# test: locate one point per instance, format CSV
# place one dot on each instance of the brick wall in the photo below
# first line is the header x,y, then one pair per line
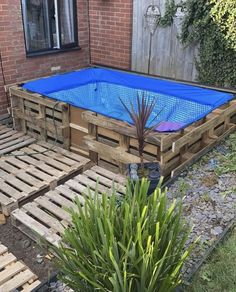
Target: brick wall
x,y
110,41
110,32
16,66
3,99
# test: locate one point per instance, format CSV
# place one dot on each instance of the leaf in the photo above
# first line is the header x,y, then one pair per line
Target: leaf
x,y
138,245
206,276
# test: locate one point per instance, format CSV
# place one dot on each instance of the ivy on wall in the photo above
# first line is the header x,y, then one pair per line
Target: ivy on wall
x,y
224,14
170,10
211,25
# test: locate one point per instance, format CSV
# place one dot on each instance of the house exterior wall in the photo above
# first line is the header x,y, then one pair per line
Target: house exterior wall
x,y
17,67
109,43
111,32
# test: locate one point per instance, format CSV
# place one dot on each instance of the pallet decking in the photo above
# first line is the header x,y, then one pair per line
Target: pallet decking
x,y
11,140
15,275
114,142
38,167
46,215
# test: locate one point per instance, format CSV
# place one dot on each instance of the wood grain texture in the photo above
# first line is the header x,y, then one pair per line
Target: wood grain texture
x,y
30,170
168,56
47,217
14,274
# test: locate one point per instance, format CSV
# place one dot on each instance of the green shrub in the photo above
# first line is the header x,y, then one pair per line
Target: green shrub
x,y
210,24
132,244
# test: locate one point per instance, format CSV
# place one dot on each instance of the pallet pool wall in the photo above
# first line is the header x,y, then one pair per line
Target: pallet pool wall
x,y
38,116
78,130
114,142
33,114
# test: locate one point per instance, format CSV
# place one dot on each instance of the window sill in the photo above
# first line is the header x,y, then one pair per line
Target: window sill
x,y
43,53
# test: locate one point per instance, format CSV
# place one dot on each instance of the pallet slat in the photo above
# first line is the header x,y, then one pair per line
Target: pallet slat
x,y
46,215
15,274
11,140
33,169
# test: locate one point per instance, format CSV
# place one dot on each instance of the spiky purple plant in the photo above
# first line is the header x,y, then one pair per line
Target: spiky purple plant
x,y
140,119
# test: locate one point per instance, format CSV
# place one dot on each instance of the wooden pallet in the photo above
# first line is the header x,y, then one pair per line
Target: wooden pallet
x,y
15,274
46,215
33,114
114,142
35,169
11,140
36,115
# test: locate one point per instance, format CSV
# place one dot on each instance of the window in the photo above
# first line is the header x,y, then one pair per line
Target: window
x,y
49,25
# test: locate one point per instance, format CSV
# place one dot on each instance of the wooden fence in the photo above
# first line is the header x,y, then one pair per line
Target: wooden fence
x,y
167,55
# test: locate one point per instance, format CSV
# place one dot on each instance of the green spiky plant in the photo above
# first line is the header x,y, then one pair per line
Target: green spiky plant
x,y
140,118
135,243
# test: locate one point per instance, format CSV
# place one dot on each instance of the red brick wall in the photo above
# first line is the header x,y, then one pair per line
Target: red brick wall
x,y
110,32
110,36
3,99
16,66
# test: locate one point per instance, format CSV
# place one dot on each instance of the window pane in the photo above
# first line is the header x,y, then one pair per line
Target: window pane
x,y
53,23
67,21
36,24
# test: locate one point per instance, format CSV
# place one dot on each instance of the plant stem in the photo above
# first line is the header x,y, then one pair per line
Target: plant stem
x,y
142,162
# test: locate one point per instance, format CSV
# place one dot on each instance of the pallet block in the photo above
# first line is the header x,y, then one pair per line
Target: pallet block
x,y
15,275
46,215
34,169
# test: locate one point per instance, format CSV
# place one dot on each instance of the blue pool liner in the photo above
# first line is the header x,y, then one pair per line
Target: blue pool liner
x,y
177,105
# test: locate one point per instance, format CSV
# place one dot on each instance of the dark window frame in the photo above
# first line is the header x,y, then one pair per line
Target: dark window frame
x,y
63,48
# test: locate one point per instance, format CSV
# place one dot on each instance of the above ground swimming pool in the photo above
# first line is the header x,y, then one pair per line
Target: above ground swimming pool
x,y
100,90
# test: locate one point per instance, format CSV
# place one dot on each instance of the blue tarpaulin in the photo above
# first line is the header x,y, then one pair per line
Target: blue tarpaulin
x,y
99,90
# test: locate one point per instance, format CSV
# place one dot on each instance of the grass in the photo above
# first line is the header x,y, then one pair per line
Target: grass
x,y
219,273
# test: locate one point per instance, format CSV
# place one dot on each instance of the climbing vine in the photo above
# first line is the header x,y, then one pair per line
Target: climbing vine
x,y
170,10
211,25
224,14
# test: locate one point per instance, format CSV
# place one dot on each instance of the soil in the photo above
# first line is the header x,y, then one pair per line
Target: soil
x,y
26,250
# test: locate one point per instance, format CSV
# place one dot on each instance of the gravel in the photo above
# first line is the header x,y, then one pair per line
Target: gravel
x,y
209,202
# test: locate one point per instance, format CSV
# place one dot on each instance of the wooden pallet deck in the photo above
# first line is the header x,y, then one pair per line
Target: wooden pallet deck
x,y
46,215
11,140
35,168
15,275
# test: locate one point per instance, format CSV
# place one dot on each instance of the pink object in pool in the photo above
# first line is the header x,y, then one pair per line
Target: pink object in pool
x,y
168,126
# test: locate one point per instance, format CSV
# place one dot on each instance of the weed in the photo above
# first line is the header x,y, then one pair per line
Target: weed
x,y
206,197
183,186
